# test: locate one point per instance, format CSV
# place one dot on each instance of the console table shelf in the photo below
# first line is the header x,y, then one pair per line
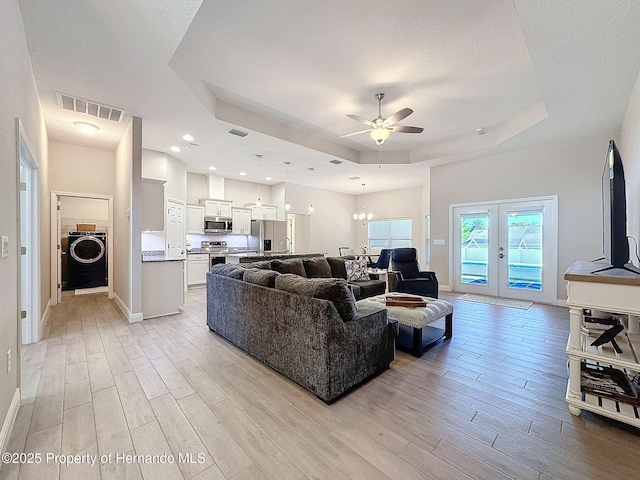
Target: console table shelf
x,y
613,291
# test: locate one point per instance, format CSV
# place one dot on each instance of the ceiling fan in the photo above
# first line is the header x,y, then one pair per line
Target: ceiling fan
x,y
381,127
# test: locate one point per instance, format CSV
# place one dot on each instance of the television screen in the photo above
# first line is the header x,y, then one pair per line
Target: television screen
x,y
614,211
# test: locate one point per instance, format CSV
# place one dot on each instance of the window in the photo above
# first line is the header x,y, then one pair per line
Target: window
x,y
390,233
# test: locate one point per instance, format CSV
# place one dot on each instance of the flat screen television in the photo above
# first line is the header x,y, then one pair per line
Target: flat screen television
x,y
614,213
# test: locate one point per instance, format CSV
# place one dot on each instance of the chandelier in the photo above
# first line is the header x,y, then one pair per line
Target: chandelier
x,y
363,217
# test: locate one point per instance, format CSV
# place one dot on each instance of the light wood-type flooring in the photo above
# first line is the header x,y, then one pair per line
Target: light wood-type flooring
x,y
488,404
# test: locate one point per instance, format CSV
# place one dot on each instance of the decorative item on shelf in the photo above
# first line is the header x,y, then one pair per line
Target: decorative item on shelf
x,y
363,217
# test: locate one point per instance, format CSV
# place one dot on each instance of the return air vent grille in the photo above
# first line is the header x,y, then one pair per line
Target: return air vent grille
x,y
335,161
191,146
354,178
237,133
87,107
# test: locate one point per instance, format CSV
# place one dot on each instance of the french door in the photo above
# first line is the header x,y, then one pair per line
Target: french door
x,y
506,249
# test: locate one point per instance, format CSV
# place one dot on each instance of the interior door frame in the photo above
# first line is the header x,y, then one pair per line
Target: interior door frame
x,y
30,274
55,241
551,284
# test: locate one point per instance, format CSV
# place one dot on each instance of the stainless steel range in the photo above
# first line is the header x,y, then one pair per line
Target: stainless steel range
x,y
216,250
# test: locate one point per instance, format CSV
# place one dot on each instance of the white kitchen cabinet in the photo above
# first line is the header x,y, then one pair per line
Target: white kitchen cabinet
x,y
197,268
216,208
195,219
152,205
241,221
263,212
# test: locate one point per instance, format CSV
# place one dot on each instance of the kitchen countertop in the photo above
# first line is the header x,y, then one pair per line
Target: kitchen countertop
x,y
246,257
158,256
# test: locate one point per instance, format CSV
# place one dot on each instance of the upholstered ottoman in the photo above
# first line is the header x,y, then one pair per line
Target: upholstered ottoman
x,y
415,320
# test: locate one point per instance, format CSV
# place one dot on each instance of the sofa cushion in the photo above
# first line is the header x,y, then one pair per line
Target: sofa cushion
x,y
260,276
262,264
316,267
337,266
290,265
332,289
228,270
369,288
356,270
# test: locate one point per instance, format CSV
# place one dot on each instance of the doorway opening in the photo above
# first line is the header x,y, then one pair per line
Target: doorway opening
x,y
81,228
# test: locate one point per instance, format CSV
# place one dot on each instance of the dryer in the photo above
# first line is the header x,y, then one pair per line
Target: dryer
x,y
87,260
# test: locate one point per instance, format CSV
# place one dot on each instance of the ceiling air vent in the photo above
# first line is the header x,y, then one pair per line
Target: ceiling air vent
x,y
354,178
191,146
87,107
335,161
237,133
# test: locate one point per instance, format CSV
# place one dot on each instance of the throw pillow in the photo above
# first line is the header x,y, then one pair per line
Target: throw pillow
x,y
317,267
228,270
291,265
261,276
356,270
333,289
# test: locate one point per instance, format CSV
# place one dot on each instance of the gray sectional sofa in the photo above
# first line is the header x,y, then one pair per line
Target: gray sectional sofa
x,y
308,329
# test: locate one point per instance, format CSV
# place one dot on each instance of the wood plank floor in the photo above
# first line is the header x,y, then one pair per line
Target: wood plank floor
x,y
488,404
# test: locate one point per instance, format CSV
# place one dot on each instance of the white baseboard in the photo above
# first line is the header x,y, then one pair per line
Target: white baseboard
x,y
44,320
132,317
9,420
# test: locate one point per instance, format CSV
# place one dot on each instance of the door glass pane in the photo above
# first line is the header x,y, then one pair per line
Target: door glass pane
x,y
525,250
473,248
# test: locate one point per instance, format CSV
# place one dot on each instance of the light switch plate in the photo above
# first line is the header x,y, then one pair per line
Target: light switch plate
x,y
5,247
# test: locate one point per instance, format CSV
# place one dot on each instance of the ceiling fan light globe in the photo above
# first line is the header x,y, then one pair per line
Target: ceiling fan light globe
x,y
369,216
379,135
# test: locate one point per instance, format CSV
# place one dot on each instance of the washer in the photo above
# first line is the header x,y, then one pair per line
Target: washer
x,y
87,260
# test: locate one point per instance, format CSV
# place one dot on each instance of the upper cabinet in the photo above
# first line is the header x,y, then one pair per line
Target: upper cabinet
x,y
152,205
195,219
241,221
216,208
263,212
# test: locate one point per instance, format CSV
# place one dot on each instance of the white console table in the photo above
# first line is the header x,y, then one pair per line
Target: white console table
x,y
612,291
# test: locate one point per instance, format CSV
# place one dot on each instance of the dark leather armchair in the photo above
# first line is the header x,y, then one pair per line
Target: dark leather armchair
x,y
383,260
406,276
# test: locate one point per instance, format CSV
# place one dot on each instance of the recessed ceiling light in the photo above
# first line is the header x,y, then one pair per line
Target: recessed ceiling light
x,y
267,178
242,174
480,131
212,168
187,137
86,128
175,149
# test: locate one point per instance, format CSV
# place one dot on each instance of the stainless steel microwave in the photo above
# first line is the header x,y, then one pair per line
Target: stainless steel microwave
x,y
217,225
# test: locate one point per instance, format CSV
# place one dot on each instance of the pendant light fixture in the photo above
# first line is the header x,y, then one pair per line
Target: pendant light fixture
x,y
363,217
311,209
287,205
259,202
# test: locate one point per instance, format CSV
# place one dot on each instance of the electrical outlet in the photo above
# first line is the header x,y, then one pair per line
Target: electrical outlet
x,y
9,361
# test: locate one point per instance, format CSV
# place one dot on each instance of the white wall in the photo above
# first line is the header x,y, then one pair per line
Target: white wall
x,y
571,169
197,187
79,169
127,222
395,204
160,166
241,193
19,99
630,152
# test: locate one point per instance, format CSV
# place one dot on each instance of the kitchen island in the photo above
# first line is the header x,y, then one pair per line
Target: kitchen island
x,y
162,284
256,257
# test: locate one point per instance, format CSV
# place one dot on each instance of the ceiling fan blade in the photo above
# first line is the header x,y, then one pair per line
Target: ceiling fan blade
x,y
403,129
362,120
354,133
396,117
